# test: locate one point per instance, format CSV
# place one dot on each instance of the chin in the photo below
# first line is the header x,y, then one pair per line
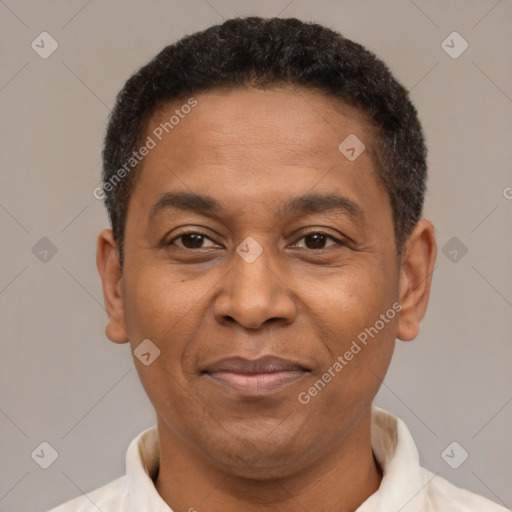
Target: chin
x,y
256,461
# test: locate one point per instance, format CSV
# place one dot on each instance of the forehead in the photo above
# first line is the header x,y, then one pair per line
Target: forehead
x,y
299,124
254,150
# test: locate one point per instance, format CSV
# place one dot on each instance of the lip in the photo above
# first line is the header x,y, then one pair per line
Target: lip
x,y
255,377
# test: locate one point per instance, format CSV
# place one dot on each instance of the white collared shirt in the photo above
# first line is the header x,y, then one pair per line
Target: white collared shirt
x,y
405,486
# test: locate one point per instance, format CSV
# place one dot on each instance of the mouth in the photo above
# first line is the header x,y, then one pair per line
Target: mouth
x,y
257,377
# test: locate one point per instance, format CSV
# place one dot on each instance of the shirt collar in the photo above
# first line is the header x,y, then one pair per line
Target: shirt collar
x,y
403,485
139,493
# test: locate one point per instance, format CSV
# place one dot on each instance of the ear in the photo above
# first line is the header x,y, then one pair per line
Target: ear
x,y
418,260
107,261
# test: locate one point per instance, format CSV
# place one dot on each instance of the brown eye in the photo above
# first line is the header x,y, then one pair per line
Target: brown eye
x,y
318,240
190,240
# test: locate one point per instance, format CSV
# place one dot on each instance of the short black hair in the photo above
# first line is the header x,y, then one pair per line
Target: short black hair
x,y
261,52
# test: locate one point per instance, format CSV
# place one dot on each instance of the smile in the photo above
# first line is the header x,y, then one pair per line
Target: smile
x,y
259,383
255,378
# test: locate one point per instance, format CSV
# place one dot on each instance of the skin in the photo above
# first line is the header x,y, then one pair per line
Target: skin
x,y
304,298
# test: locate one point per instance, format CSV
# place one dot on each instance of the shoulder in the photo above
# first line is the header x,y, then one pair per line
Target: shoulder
x,y
105,498
444,496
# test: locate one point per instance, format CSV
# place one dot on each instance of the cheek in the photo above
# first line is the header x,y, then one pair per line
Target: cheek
x,y
357,323
160,308
155,301
355,297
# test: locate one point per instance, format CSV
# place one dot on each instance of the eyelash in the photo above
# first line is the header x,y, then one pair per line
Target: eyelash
x,y
338,242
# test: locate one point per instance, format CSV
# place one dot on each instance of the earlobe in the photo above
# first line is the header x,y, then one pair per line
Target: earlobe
x,y
416,278
107,262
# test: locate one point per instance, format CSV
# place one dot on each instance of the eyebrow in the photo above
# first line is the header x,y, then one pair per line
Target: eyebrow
x,y
305,204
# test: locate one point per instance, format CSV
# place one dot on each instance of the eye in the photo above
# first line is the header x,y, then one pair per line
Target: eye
x,y
191,240
317,240
195,240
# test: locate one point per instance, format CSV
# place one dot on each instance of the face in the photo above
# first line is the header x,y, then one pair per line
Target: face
x,y
257,256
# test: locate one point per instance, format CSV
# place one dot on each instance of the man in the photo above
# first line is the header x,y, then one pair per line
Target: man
x,y
265,182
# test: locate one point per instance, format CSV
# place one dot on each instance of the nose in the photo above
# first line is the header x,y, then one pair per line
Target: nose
x,y
254,293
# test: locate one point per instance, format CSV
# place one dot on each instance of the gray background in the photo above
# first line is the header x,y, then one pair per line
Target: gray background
x,y
63,382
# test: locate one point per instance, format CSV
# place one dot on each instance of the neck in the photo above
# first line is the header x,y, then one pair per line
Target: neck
x,y
340,481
